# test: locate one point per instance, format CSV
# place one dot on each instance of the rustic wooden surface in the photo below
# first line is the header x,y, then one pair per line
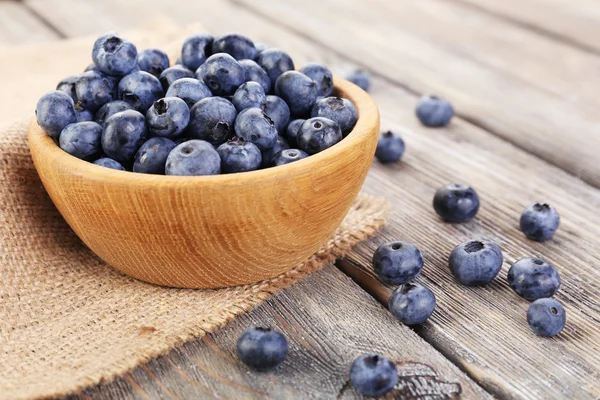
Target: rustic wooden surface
x,y
523,76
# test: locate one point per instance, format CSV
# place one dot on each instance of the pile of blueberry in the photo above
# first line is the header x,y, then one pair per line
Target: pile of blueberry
x,y
229,105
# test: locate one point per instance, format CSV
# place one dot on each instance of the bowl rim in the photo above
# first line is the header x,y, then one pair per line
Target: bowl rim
x,y
368,117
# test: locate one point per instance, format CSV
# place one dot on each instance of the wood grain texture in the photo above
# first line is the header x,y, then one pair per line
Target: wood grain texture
x,y
521,86
211,231
18,25
328,321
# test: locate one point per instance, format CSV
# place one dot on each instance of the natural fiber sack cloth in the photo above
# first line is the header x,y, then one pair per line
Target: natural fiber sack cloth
x,y
67,319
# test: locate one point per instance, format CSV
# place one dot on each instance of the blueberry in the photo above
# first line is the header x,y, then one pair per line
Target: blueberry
x,y
397,262
212,119
189,89
260,47
412,303
475,262
81,139
168,117
249,95
109,109
239,155
114,55
153,61
317,134
109,163
54,111
123,134
222,74
360,78
238,46
539,222
292,130
288,156
192,158
67,85
321,75
170,75
262,348
140,89
278,111
533,278
390,147
152,156
195,50
269,154
340,110
275,62
253,72
91,67
298,91
373,375
84,115
546,317
255,126
434,112
94,89
456,202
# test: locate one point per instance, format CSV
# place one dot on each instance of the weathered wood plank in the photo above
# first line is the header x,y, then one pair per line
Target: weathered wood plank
x,y
18,25
523,87
328,321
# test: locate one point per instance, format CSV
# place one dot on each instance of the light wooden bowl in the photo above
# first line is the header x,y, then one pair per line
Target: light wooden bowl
x,y
211,231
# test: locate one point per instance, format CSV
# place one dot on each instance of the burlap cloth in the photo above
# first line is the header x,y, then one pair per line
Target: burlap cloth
x,y
68,320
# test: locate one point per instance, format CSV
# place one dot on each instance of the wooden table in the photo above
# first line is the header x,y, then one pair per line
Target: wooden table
x,y
524,76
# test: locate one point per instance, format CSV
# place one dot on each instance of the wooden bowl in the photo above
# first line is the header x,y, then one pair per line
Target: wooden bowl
x,y
211,231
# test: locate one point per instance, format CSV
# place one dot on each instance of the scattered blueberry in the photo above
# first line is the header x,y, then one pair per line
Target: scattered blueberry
x,y
212,119
152,156
390,147
195,50
153,61
533,278
434,112
298,91
109,109
81,139
239,156
340,110
475,262
168,117
109,163
67,85
123,134
360,78
275,62
322,76
171,74
539,222
255,126
317,134
249,95
54,111
546,317
114,55
140,89
397,262
254,72
278,111
84,115
456,202
194,157
269,154
222,74
94,89
412,303
189,89
262,348
238,46
292,130
373,375
288,156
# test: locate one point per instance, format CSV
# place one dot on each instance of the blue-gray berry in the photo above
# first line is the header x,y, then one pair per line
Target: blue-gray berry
x,y
81,139
397,262
236,45
298,91
321,75
109,163
373,375
212,119
195,50
171,74
140,89
262,348
275,62
109,109
434,112
291,132
539,222
267,155
390,147
456,202
249,95
255,126
114,55
153,61
168,117
94,89
152,156
278,111
318,134
191,90
254,72
239,156
342,111
222,74
360,78
123,135
67,85
412,303
546,317
54,111
84,115
475,262
533,278
287,156
192,158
